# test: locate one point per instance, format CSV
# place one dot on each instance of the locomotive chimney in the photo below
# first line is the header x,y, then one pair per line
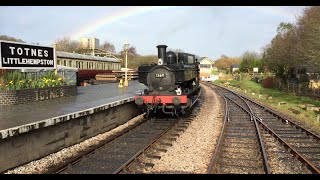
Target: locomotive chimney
x,y
162,54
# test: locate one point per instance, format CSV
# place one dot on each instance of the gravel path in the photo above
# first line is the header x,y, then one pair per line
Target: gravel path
x,y
192,151
41,165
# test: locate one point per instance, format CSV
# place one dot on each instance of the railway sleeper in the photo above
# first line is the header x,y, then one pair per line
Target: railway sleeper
x,y
165,143
240,145
160,149
171,138
175,134
311,155
299,136
242,162
237,169
151,156
289,132
250,153
147,164
244,141
240,128
306,147
237,136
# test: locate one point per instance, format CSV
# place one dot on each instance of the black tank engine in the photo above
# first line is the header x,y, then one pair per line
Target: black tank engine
x,y
173,83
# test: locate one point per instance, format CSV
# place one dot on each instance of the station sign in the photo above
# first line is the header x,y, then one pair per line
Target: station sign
x,y
26,56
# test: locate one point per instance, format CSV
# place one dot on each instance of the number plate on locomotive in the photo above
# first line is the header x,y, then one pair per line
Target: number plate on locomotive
x,y
160,75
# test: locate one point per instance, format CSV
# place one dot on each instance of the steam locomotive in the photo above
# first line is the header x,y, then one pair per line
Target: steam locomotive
x,y
173,83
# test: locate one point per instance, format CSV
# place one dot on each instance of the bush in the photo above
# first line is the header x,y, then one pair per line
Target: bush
x,y
16,80
267,82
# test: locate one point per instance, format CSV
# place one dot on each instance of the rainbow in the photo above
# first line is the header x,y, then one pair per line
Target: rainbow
x,y
139,10
272,10
111,18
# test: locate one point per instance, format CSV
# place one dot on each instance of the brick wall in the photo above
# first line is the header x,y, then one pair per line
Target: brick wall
x,y
13,97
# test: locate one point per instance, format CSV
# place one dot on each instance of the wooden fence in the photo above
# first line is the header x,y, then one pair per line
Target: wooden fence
x,y
300,89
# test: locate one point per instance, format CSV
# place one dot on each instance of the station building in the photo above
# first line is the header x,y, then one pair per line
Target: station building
x,y
206,67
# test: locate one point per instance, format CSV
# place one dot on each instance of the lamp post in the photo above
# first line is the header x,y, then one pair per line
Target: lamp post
x,y
126,45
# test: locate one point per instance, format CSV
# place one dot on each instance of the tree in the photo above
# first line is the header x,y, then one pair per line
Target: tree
x,y
139,60
176,50
281,54
8,38
108,47
295,45
250,59
132,52
224,62
308,32
283,28
68,45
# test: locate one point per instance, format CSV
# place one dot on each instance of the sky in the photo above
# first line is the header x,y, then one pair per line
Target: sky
x,y
209,31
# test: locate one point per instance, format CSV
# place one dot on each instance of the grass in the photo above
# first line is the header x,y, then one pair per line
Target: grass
x,y
292,101
215,72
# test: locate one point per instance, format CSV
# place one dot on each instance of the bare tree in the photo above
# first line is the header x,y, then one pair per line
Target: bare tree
x,y
8,38
176,50
132,53
68,45
108,47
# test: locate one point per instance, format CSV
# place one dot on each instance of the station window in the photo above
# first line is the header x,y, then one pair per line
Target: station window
x,y
190,60
205,66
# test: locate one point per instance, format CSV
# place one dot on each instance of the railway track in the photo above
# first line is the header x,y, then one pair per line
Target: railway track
x,y
239,149
131,151
301,144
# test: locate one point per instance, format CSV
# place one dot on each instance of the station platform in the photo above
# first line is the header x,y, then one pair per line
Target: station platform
x,y
25,116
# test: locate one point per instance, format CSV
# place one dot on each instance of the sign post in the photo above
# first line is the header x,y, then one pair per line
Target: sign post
x,y
55,58
255,70
15,55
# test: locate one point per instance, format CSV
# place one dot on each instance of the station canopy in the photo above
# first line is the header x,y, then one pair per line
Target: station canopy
x,y
60,68
62,54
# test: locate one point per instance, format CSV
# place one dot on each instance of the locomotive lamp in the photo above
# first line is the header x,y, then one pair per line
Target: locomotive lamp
x,y
126,45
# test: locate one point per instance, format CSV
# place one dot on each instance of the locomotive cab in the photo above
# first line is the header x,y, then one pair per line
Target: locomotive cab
x,y
172,58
